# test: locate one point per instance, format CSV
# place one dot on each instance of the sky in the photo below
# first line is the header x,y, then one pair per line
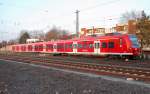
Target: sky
x,y
17,15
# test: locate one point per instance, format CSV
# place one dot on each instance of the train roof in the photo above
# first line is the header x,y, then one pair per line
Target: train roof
x,y
86,38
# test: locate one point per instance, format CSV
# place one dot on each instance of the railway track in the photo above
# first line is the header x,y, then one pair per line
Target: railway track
x,y
94,60
91,60
142,74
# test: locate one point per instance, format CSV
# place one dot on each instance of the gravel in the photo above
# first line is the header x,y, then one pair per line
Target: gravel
x,y
17,78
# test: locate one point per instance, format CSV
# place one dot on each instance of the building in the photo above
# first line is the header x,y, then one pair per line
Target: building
x,y
91,31
32,40
96,31
126,28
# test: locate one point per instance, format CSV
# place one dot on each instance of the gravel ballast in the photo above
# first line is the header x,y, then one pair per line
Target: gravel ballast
x,y
18,78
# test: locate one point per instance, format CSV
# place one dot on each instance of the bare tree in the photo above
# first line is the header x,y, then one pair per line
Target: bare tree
x,y
52,34
24,36
3,44
64,34
12,42
133,15
143,26
56,33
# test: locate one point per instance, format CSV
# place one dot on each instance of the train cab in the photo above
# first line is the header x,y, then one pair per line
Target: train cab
x,y
135,47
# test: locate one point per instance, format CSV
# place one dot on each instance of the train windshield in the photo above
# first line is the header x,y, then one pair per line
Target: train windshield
x,y
134,41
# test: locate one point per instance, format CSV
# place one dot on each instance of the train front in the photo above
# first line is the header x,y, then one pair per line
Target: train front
x,y
135,47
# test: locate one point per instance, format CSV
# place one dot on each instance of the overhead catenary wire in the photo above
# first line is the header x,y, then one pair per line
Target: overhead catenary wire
x,y
99,5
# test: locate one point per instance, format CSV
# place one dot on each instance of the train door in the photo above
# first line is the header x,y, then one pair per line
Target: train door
x,y
117,45
55,48
121,45
33,47
75,47
44,47
96,47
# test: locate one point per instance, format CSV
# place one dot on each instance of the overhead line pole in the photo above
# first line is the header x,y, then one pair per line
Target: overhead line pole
x,y
77,22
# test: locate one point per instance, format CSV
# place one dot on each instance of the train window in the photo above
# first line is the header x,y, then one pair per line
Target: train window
x,y
75,46
97,45
79,46
49,46
40,47
134,41
85,46
61,46
111,45
121,42
55,47
70,45
23,48
36,47
104,45
44,47
90,45
66,46
18,47
58,46
29,47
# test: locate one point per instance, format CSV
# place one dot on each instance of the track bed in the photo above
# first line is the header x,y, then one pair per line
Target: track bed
x,y
20,78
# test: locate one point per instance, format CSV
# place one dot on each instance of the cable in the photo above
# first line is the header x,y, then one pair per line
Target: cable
x,y
99,5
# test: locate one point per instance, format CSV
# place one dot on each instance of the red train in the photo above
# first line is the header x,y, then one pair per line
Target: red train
x,y
114,44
